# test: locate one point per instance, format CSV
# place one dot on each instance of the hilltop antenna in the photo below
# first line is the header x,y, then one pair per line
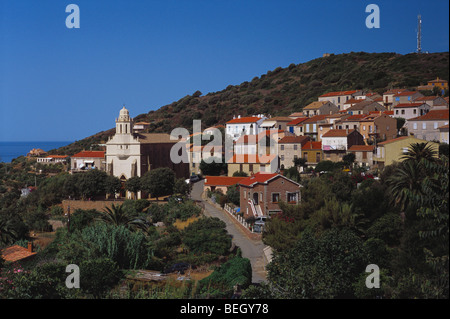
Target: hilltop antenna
x,y
419,34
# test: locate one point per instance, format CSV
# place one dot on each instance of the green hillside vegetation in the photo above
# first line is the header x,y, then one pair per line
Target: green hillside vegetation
x,y
283,91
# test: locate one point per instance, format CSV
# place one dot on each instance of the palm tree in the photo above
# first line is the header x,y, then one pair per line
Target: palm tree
x,y
405,184
117,216
7,233
421,151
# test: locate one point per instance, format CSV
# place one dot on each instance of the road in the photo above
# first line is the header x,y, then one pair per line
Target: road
x,y
251,249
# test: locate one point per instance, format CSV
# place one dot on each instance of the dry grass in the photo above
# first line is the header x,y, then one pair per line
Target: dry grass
x,y
179,224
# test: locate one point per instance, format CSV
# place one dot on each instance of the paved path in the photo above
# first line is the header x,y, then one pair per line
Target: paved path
x,y
251,248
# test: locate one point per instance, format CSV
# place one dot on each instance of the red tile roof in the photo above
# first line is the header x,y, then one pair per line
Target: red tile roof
x,y
258,178
427,98
311,145
339,93
222,180
316,118
15,253
405,105
393,140
394,91
90,154
355,117
433,115
247,119
406,93
337,133
297,121
294,140
361,148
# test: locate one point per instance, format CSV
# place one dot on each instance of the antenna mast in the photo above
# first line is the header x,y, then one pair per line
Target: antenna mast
x,y
419,34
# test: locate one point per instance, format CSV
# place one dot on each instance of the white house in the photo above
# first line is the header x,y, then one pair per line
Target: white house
x,y
249,125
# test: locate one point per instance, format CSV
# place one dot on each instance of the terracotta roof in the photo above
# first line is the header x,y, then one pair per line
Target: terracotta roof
x,y
360,105
353,101
438,81
246,119
142,123
355,117
297,121
427,98
315,105
90,154
295,114
251,159
316,118
15,253
394,91
432,116
155,138
339,93
294,140
280,119
337,133
222,180
312,145
406,105
443,127
361,148
258,178
393,140
406,93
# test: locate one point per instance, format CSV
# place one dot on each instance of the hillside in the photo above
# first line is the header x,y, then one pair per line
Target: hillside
x,y
286,90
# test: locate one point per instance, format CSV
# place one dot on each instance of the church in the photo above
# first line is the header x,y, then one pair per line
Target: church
x,y
130,154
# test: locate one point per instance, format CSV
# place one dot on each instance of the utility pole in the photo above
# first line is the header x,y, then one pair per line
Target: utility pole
x,y
419,34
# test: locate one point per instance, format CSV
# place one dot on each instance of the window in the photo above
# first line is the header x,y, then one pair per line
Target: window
x,y
282,157
292,197
318,157
435,125
295,147
397,99
245,194
364,128
282,147
424,126
262,168
403,111
250,167
305,155
415,126
396,112
415,111
275,197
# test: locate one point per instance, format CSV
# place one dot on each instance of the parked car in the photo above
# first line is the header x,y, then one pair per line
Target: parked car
x,y
194,178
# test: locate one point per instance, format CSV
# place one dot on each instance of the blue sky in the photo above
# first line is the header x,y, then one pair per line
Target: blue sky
x,y
60,84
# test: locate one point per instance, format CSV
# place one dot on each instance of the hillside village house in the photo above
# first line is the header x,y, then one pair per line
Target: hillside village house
x,y
290,148
410,110
319,108
376,126
220,183
253,163
435,102
312,153
261,193
406,97
388,97
86,160
276,123
250,125
427,126
364,154
295,126
131,154
350,103
140,127
442,85
443,134
205,152
335,143
352,122
391,151
52,159
296,115
365,107
263,144
339,98
324,128
311,126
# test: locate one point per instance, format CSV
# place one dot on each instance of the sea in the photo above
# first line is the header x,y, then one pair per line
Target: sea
x,y
12,150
